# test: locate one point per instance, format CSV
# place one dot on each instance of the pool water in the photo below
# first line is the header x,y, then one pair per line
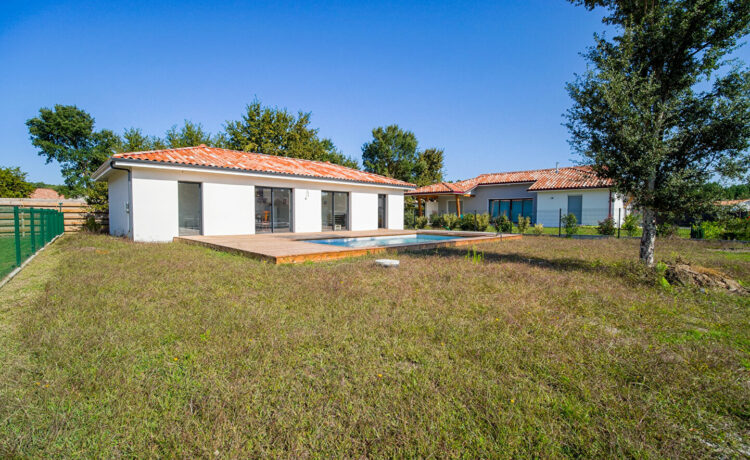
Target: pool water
x,y
377,241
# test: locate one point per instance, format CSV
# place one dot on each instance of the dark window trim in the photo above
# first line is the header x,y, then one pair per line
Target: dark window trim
x,y
291,208
333,213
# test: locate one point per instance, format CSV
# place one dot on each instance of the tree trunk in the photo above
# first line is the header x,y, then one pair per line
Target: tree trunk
x,y
648,239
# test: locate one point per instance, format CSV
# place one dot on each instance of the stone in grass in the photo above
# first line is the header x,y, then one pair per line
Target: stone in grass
x,y
387,262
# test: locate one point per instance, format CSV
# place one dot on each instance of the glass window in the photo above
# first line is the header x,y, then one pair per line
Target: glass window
x,y
512,208
381,211
189,208
505,208
335,210
273,210
528,208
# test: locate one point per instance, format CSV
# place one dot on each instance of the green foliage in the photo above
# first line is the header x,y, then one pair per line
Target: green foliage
x,y
474,256
630,224
451,221
523,223
66,135
660,111
606,227
570,223
467,222
538,229
504,224
421,222
133,140
666,230
13,183
409,218
727,229
483,222
393,152
91,225
437,221
190,135
712,230
275,131
727,192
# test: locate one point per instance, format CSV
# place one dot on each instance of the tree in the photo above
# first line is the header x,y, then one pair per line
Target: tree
x,y
66,134
133,140
277,132
660,111
392,152
13,183
430,166
190,135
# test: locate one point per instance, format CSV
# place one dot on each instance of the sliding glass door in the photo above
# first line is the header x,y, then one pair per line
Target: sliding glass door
x,y
189,218
512,208
273,210
335,210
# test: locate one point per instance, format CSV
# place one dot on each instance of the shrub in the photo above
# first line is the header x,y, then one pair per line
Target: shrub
x,y
712,230
409,218
483,222
504,224
606,227
666,230
437,221
420,222
466,222
450,221
737,229
630,224
571,224
538,229
523,223
91,225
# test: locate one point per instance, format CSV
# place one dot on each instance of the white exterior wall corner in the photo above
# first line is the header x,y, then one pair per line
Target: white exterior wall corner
x,y
394,209
154,206
594,202
119,201
307,210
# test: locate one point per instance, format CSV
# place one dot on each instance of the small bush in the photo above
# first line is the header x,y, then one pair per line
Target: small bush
x,y
450,221
523,223
420,222
504,224
538,229
712,230
737,229
409,218
630,224
483,222
467,222
91,225
666,230
437,221
606,227
571,224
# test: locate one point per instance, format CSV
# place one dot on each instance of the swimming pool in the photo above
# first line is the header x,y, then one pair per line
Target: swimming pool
x,y
378,241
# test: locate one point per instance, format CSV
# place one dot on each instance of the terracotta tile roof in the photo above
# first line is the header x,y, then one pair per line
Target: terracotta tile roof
x,y
258,162
45,194
732,202
573,177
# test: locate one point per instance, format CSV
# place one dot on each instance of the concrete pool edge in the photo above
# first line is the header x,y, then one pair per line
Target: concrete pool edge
x,y
293,248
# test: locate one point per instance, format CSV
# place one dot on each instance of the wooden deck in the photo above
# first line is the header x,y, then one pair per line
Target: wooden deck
x,y
284,248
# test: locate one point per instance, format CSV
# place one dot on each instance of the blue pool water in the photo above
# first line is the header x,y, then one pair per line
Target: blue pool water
x,y
376,241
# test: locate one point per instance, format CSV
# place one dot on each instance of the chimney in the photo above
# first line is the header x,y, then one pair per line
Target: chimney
x,y
557,167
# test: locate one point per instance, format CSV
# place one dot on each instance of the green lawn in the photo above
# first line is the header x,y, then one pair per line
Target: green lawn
x,y
548,347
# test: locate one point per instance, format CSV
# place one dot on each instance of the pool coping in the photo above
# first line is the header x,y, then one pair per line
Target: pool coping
x,y
295,247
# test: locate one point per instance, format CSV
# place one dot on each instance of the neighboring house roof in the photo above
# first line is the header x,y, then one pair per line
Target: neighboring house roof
x,y
46,194
257,162
574,177
735,203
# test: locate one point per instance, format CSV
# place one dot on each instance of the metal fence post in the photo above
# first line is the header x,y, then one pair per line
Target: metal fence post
x,y
559,223
17,231
619,221
31,230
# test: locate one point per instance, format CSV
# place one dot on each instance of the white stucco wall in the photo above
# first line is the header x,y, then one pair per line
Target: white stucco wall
x,y
307,212
364,210
228,202
394,211
119,199
154,206
595,206
228,208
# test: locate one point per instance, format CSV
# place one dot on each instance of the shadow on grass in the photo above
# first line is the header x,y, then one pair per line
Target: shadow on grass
x,y
627,270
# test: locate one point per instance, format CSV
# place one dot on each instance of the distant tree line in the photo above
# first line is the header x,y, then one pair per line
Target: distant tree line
x,y
67,135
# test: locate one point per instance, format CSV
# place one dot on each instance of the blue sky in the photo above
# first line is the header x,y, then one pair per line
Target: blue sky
x,y
483,80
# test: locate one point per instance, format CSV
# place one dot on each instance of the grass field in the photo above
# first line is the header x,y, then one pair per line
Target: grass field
x,y
546,347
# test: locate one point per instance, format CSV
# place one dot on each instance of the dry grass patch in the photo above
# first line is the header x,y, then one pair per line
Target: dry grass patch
x,y
548,347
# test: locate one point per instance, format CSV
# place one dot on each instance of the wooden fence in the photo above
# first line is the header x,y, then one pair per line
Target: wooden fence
x,y
75,211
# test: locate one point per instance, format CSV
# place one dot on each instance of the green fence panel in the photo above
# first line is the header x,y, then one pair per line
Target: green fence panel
x,y
24,231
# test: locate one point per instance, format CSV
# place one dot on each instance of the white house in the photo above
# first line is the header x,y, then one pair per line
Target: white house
x,y
161,194
541,194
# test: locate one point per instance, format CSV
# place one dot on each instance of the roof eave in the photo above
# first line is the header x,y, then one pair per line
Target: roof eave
x,y
131,161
